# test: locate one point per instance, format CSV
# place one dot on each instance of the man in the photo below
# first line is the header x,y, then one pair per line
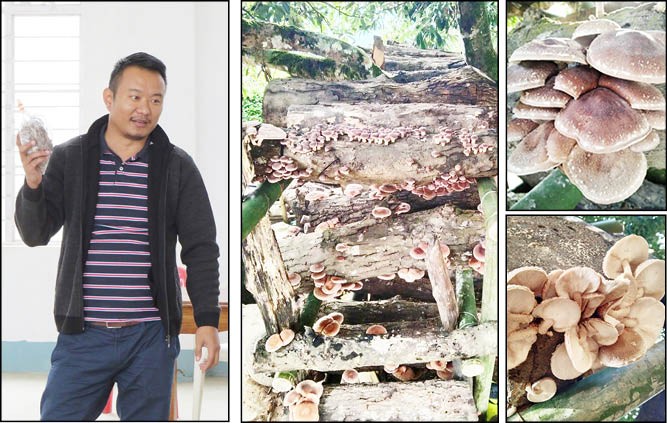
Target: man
x,y
122,194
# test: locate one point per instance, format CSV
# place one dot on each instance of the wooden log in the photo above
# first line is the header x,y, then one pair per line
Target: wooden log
x,y
606,395
351,62
429,115
267,280
260,403
406,342
441,287
349,210
432,400
457,86
377,247
414,157
393,310
554,242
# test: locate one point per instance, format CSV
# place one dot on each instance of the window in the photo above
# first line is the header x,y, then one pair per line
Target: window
x,y
40,73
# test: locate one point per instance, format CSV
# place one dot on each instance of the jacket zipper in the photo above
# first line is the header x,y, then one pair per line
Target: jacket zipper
x,y
163,230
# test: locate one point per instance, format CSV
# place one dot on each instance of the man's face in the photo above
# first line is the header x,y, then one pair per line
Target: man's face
x,y
136,107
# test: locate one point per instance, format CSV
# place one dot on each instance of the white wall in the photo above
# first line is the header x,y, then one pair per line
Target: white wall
x,y
192,40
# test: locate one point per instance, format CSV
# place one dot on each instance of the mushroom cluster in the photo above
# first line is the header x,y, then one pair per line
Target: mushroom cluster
x,y
588,105
328,287
279,340
303,401
329,325
607,320
476,262
282,167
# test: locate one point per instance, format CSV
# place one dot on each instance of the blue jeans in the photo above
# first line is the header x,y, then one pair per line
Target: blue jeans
x,y
85,366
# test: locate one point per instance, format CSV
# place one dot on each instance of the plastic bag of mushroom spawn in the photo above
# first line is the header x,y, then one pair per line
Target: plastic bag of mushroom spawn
x,y
33,129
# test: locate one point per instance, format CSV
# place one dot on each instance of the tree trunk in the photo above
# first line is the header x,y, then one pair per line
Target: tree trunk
x,y
378,247
393,310
479,50
406,343
279,45
432,400
456,86
350,210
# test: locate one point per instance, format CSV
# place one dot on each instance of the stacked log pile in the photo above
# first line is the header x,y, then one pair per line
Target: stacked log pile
x,y
384,208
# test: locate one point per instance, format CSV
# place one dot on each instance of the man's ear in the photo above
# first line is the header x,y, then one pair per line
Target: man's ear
x,y
107,96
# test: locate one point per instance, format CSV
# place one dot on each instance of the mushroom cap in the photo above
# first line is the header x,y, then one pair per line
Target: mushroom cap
x,y
576,345
387,276
404,373
380,212
629,54
305,411
559,147
478,252
655,118
524,111
601,122
520,299
577,80
576,281
316,268
562,313
541,390
545,96
530,155
585,33
650,276
350,376
606,178
527,75
327,326
286,336
628,348
310,389
632,248
640,95
531,277
549,288
519,344
602,332
376,330
646,317
273,343
550,49
417,253
519,128
561,364
648,143
291,398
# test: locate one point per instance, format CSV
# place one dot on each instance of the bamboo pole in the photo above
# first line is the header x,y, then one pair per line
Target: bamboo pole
x,y
488,195
465,293
555,192
606,395
256,206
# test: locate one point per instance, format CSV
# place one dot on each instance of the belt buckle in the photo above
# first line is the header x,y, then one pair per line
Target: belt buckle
x,y
113,327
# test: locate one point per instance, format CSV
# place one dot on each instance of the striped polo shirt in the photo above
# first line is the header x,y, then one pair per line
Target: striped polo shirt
x,y
115,278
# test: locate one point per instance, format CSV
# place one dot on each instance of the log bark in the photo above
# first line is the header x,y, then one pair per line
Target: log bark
x,y
257,38
406,343
393,310
457,86
433,400
441,287
380,247
350,210
428,115
267,280
616,391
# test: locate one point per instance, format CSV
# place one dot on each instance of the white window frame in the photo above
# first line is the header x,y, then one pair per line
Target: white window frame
x,y
11,10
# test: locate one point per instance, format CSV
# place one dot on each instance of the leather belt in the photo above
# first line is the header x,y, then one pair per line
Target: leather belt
x,y
114,325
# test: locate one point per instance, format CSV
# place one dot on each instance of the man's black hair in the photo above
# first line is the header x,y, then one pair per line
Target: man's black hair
x,y
142,60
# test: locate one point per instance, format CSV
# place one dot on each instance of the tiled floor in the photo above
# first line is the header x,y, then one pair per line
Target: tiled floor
x,y
21,393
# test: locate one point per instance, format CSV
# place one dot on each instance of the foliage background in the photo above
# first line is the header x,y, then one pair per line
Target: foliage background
x,y
652,228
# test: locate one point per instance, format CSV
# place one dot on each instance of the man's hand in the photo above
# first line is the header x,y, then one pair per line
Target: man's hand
x,y
31,162
207,336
